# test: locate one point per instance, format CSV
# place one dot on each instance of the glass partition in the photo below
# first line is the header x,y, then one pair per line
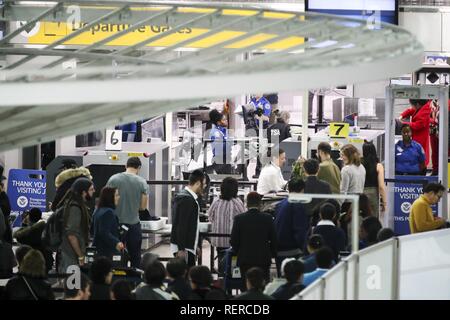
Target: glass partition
x,y
375,271
335,283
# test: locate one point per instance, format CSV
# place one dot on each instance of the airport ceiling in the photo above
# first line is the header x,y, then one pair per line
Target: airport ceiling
x,y
70,67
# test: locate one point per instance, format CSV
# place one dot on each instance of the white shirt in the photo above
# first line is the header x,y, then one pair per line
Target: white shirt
x,y
173,246
326,223
270,179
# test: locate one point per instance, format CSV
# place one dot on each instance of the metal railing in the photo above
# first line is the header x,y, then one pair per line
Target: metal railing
x,y
408,267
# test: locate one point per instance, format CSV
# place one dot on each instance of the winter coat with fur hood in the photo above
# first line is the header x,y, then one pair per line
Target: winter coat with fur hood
x,y
64,181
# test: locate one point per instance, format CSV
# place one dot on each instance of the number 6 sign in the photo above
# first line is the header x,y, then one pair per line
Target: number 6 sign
x,y
113,140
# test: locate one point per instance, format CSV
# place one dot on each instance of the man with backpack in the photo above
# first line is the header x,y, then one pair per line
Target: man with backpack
x,y
76,222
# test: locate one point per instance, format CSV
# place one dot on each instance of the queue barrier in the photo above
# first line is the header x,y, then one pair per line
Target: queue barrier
x,y
408,267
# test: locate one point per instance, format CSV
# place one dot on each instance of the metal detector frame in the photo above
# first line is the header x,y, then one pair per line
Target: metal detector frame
x,y
440,93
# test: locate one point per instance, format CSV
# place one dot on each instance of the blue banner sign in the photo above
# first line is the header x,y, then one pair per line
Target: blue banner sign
x,y
405,194
26,190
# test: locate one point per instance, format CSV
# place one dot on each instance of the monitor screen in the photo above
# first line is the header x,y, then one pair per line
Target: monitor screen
x,y
376,10
155,128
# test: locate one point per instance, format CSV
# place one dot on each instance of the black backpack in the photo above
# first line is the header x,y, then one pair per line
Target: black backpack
x,y
54,229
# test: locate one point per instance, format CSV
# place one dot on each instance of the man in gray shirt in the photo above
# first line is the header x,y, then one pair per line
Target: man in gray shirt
x,y
133,191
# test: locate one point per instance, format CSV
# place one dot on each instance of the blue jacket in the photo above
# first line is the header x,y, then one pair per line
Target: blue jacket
x,y
408,158
105,226
221,148
264,104
313,276
291,225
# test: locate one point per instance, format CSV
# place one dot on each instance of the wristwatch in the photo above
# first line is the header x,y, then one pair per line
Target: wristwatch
x,y
81,258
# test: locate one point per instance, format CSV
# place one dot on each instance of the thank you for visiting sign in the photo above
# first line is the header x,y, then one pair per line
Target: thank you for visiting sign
x,y
26,190
406,193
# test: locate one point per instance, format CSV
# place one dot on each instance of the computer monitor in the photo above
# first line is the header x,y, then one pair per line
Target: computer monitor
x,y
155,128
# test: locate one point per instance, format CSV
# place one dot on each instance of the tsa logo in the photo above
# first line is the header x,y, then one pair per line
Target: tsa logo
x,y
405,207
22,202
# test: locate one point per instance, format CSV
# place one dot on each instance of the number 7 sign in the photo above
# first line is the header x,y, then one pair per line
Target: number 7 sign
x,y
113,140
339,130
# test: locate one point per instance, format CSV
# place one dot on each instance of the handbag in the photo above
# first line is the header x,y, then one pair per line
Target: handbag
x,y
30,289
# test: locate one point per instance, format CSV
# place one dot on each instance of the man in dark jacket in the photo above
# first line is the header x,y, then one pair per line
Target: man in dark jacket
x,y
31,234
253,237
334,237
5,207
176,271
291,226
255,286
184,238
280,130
314,186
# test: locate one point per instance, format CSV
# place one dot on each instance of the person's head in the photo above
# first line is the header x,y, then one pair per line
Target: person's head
x,y
82,292
284,117
370,227
385,234
311,167
68,164
134,164
315,242
101,271
293,271
278,158
121,290
296,185
147,259
176,268
200,277
324,258
155,274
197,181
406,133
434,192
84,188
370,152
327,211
255,279
33,264
228,188
253,200
218,118
109,198
35,215
417,103
324,151
21,252
350,155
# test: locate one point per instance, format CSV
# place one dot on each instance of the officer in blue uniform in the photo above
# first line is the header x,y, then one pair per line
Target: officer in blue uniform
x,y
409,155
263,110
221,147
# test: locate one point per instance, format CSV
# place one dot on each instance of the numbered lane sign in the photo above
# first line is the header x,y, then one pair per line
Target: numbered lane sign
x,y
339,130
113,140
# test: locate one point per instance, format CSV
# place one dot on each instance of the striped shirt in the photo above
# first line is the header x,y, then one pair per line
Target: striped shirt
x,y
221,215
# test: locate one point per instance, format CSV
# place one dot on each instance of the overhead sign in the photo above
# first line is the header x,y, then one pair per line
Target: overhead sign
x,y
113,140
30,30
45,33
339,130
26,190
404,195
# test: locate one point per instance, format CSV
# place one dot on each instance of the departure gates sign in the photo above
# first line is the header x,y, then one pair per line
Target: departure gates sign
x,y
44,33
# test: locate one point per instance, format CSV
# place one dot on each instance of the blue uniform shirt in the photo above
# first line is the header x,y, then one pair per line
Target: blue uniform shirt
x,y
220,144
264,104
408,158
